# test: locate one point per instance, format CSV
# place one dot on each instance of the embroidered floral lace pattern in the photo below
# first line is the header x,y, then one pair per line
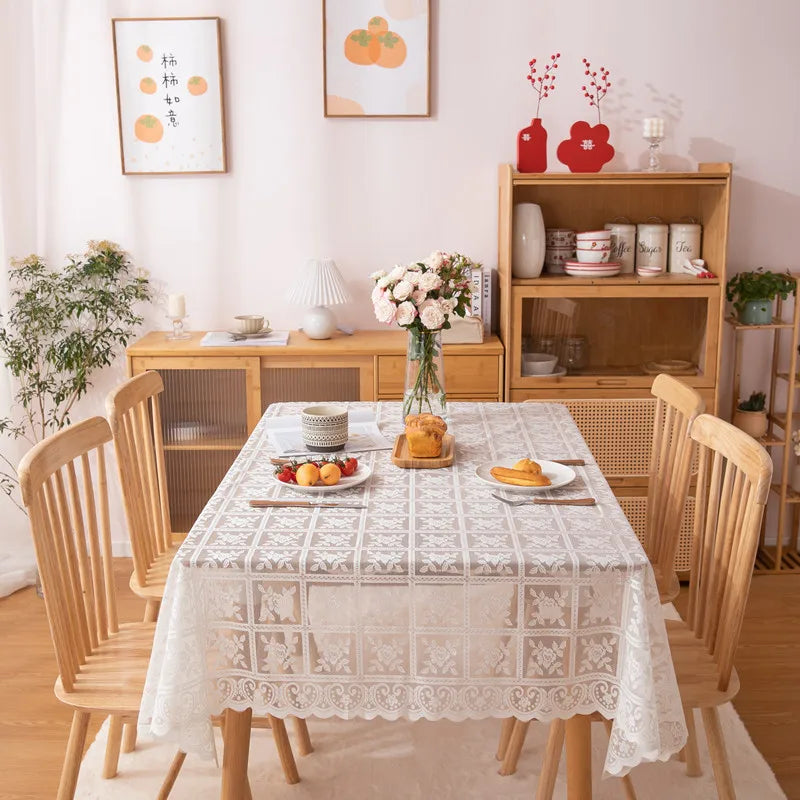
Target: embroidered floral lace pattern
x,y
433,602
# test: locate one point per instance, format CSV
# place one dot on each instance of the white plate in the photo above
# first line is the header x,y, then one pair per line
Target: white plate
x,y
559,474
362,474
556,373
595,273
257,334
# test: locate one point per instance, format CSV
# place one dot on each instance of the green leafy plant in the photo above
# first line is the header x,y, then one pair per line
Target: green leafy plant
x,y
61,328
760,284
756,402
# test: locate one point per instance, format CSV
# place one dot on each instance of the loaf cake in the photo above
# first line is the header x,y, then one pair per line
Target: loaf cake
x,y
424,434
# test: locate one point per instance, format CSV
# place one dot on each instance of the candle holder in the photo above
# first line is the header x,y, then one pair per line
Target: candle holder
x,y
177,332
654,163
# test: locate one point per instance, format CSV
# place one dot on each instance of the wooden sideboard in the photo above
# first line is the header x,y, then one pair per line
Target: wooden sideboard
x,y
214,396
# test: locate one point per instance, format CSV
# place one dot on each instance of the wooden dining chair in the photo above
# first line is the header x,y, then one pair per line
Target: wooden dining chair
x,y
733,482
134,414
101,663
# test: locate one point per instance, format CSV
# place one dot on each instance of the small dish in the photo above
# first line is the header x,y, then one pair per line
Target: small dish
x,y
670,366
559,474
361,475
238,334
556,373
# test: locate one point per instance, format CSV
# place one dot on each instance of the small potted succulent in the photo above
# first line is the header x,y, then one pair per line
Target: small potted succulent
x,y
751,415
752,294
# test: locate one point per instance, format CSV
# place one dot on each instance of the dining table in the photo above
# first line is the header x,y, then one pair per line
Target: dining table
x,y
430,600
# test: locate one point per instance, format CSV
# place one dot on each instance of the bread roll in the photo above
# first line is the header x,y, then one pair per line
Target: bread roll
x,y
424,434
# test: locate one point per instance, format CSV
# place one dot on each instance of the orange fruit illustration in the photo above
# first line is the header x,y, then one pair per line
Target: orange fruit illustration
x,y
148,85
376,45
148,129
144,52
378,25
197,85
393,50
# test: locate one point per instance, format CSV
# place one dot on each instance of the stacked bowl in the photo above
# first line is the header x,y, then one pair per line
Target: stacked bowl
x,y
559,248
593,250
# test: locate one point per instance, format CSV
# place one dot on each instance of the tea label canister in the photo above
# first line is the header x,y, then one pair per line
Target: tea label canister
x,y
623,244
651,245
684,243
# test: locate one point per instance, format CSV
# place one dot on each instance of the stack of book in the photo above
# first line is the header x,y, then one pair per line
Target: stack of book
x,y
482,315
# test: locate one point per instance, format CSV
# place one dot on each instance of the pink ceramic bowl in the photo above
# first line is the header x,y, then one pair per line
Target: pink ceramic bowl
x,y
596,256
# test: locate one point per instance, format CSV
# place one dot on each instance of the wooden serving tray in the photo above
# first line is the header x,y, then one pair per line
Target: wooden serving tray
x,y
401,457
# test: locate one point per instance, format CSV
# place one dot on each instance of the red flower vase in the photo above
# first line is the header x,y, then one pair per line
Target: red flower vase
x,y
587,148
532,148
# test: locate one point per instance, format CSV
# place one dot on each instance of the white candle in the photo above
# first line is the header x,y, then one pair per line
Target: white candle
x,y
653,126
176,305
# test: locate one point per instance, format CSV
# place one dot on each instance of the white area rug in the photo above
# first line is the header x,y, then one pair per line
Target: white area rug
x,y
362,759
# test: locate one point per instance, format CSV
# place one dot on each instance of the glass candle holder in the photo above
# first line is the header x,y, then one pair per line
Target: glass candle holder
x,y
177,331
654,158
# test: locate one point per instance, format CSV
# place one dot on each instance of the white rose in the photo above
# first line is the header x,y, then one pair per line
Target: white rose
x,y
377,294
383,282
419,297
385,311
397,273
406,312
381,273
402,290
435,260
448,304
432,316
412,276
429,281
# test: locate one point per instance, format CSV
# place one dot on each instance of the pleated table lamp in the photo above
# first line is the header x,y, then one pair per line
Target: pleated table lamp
x,y
320,285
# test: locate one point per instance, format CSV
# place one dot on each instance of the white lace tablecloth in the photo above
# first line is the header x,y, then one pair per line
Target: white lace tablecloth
x,y
435,601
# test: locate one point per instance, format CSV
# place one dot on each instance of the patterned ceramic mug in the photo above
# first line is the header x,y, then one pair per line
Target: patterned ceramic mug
x,y
324,428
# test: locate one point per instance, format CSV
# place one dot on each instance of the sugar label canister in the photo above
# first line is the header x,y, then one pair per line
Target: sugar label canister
x,y
684,244
651,245
623,244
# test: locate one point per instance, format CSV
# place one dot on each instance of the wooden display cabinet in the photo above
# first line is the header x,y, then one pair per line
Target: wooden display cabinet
x,y
214,396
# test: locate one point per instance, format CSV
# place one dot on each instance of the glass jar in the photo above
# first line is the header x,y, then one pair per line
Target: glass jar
x,y
576,353
546,344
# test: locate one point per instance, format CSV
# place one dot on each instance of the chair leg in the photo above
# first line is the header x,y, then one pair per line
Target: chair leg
x,y
129,737
172,775
151,610
505,736
579,757
627,782
236,753
552,756
112,746
719,758
509,765
284,748
304,745
73,756
693,767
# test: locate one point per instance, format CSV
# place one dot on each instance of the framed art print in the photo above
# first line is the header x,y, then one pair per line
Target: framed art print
x,y
169,95
376,56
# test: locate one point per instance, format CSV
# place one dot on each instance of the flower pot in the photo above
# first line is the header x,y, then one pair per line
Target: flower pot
x,y
424,388
756,312
753,423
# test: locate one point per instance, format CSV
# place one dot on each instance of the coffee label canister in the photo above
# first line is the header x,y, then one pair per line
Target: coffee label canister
x,y
623,244
651,245
684,244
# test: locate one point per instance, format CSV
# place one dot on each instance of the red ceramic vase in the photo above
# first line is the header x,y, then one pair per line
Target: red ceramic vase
x,y
587,148
532,148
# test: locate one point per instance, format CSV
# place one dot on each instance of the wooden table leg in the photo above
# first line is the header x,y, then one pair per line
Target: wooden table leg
x,y
236,753
579,758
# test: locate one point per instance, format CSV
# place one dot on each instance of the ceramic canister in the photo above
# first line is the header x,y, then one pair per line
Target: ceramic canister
x,y
623,244
324,428
651,245
684,243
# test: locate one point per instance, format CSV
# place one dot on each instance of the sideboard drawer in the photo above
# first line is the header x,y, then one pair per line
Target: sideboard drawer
x,y
464,375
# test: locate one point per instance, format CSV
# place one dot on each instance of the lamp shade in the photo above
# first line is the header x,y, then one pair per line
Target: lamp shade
x,y
320,284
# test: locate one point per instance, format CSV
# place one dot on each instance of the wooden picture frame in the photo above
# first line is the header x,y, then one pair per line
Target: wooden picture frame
x,y
376,58
170,99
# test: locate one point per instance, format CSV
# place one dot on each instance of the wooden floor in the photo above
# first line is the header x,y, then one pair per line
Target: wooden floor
x,y
34,726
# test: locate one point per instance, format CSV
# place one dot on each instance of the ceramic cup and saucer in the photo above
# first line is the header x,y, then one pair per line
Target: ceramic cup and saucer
x,y
250,326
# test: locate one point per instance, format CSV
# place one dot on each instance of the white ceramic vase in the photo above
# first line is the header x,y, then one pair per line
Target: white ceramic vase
x,y
528,245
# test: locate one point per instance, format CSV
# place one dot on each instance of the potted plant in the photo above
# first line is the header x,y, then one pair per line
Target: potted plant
x,y
62,327
752,294
751,415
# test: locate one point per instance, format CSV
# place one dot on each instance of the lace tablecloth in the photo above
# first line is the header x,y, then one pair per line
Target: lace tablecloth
x,y
435,601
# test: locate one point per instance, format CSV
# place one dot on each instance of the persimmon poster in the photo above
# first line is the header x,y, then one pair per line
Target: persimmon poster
x,y
377,58
169,95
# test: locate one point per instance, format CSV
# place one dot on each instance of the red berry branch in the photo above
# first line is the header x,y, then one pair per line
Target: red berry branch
x,y
543,84
598,86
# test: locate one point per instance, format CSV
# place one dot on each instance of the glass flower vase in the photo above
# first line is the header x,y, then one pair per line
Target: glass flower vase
x,y
424,388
